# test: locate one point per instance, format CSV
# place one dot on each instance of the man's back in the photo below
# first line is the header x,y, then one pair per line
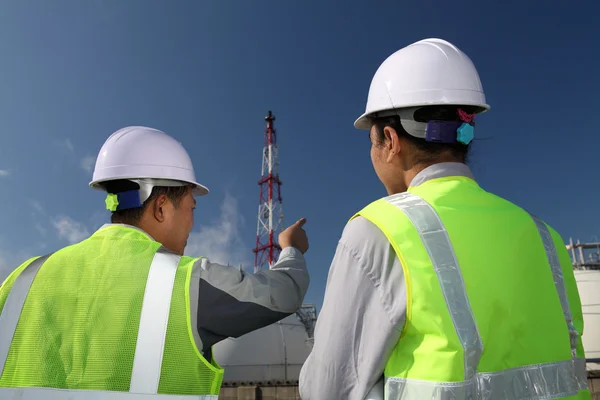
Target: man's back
x,y
483,278
81,321
422,315
509,262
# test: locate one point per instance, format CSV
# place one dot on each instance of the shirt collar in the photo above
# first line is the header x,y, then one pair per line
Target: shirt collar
x,y
129,227
442,170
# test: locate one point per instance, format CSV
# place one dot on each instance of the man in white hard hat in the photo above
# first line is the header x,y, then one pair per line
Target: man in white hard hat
x,y
442,290
123,314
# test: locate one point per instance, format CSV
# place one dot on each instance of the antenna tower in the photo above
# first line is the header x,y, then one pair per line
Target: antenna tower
x,y
270,210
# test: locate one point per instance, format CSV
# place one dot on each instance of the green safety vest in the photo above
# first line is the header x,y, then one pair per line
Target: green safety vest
x,y
107,319
493,311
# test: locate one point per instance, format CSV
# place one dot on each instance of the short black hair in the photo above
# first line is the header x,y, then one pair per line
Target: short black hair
x,y
132,216
428,152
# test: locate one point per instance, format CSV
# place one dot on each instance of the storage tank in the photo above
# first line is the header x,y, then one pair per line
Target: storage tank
x,y
588,282
586,265
270,355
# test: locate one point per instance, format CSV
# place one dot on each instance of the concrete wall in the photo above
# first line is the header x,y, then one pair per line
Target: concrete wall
x,y
291,392
594,385
260,393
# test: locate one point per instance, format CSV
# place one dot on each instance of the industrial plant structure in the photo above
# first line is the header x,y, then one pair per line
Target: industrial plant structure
x,y
270,208
586,263
265,364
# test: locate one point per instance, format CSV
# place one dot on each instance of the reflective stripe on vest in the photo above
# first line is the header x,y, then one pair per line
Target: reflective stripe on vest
x,y
14,305
152,332
151,337
547,381
578,363
35,393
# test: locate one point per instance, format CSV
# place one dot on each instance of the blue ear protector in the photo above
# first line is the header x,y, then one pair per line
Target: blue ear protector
x,y
449,132
461,131
123,200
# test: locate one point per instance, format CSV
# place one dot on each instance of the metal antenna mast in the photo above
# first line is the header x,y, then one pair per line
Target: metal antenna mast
x,y
270,210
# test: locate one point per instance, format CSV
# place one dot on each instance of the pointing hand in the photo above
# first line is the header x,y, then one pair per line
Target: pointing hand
x,y
295,236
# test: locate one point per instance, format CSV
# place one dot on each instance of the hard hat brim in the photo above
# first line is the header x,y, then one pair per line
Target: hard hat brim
x,y
197,189
363,122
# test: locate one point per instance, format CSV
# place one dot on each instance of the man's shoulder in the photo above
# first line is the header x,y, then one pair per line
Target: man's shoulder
x,y
193,262
185,259
363,238
359,227
203,264
7,283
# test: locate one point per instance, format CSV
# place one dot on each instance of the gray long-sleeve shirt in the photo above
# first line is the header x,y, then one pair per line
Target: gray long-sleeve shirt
x,y
231,303
363,310
226,302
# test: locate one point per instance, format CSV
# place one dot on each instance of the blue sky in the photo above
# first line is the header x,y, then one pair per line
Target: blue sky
x,y
72,72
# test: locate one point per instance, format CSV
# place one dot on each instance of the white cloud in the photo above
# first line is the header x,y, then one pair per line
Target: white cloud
x,y
69,229
4,172
98,218
221,241
68,145
40,229
87,163
37,206
10,260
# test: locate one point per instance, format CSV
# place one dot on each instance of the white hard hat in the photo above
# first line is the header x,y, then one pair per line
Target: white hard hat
x,y
428,72
146,156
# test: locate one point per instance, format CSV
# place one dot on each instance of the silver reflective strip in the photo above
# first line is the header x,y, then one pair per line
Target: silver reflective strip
x,y
62,394
14,305
540,381
437,243
581,373
154,318
559,281
579,369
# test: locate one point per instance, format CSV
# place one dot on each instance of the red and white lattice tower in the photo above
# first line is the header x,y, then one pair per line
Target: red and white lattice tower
x,y
270,210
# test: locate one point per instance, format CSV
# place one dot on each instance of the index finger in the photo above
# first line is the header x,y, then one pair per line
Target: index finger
x,y
301,222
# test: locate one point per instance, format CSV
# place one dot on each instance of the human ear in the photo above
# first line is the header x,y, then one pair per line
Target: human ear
x,y
158,208
392,143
